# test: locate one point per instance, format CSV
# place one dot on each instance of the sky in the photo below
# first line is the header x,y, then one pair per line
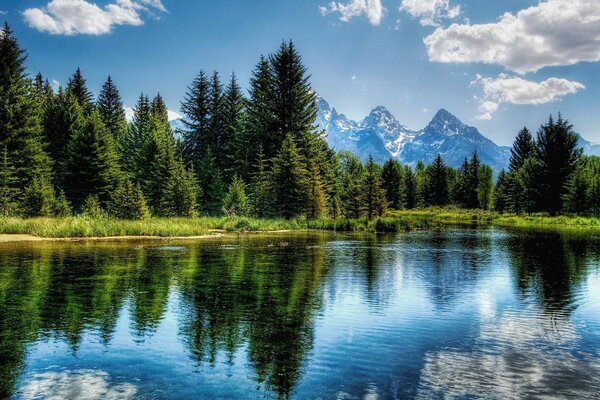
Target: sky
x,y
497,65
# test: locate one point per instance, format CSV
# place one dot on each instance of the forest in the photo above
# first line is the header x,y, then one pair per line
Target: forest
x,y
64,152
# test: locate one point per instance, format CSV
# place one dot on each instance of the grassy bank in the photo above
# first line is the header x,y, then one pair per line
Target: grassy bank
x,y
395,221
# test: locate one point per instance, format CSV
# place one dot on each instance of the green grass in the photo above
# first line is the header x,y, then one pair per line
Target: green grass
x,y
393,221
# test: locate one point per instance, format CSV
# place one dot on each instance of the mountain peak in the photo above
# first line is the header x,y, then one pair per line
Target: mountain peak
x,y
444,115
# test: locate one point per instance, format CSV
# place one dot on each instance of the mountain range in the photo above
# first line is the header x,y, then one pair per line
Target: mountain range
x,y
382,136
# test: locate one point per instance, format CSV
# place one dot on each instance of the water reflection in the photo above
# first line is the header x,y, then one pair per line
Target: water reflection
x,y
454,313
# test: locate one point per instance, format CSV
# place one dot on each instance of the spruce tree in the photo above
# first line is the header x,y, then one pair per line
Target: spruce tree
x,y
316,196
259,124
373,194
40,199
91,207
438,190
232,135
260,194
294,102
289,180
350,193
127,202
393,184
523,148
558,155
235,202
502,193
216,122
472,185
77,87
112,113
196,112
92,163
410,183
21,135
9,192
485,187
180,196
211,185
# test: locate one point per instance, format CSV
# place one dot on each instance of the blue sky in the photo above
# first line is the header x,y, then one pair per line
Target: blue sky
x,y
494,70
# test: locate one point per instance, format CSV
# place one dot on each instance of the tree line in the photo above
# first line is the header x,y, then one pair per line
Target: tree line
x,y
62,152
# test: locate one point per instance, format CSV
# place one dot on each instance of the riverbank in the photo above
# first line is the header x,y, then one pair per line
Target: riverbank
x,y
19,229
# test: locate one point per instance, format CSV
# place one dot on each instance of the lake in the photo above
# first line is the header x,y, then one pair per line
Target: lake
x,y
455,313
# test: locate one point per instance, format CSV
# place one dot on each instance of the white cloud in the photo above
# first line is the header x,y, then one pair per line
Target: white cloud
x,y
430,12
514,90
3,12
372,9
173,115
72,17
551,33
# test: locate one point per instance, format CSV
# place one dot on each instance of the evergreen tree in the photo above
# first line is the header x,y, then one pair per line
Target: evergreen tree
x,y
289,180
112,113
216,122
235,202
64,118
502,193
472,183
62,207
293,100
40,199
557,155
421,179
593,196
232,134
523,148
316,196
259,127
196,111
438,190
351,172
21,135
77,87
180,197
9,192
260,191
485,187
211,185
373,194
92,163
127,202
393,184
411,188
91,207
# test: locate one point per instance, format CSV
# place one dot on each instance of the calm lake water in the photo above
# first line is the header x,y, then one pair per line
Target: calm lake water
x,y
449,314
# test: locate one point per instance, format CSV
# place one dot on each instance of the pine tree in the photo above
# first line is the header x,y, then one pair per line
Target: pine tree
x,y
472,198
502,193
259,126
211,185
289,180
40,198
557,155
350,193
294,102
196,111
9,192
77,87
91,207
112,113
62,207
438,190
216,123
411,188
485,187
523,148
421,178
180,196
260,194
373,194
235,202
127,202
393,184
593,196
232,134
21,135
316,196
92,163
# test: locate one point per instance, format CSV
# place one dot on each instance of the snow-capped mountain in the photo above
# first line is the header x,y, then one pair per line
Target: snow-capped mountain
x,y
382,136
589,148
